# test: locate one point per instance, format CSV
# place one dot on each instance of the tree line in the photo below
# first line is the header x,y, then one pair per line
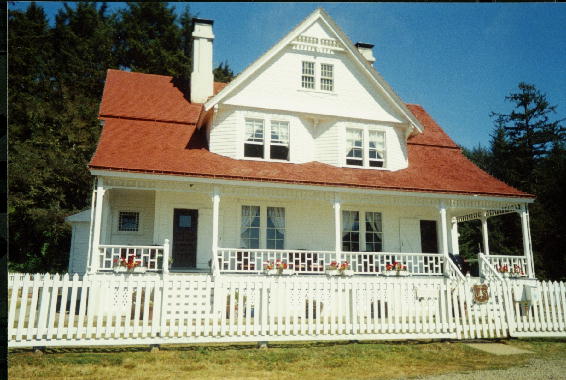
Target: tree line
x,y
55,85
527,151
56,78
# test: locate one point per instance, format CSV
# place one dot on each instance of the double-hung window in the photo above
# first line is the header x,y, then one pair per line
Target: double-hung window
x,y
253,146
374,232
250,227
354,144
376,150
350,231
356,235
307,78
275,228
279,144
326,77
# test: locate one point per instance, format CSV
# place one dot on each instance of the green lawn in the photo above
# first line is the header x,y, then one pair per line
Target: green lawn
x,y
316,361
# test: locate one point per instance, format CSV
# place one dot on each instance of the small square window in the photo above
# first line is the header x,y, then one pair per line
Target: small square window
x,y
129,221
185,221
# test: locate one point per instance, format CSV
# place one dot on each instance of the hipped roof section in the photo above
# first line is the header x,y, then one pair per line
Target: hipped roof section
x,y
155,132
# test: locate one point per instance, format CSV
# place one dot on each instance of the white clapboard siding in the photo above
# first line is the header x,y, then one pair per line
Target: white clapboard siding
x,y
54,310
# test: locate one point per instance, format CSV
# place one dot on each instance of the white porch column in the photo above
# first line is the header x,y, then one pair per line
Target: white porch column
x,y
215,218
337,229
527,251
94,253
454,236
444,233
484,233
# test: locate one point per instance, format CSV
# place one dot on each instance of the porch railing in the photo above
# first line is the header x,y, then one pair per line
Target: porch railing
x,y
234,260
151,257
516,266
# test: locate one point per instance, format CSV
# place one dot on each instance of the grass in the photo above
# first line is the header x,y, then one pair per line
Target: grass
x,y
320,361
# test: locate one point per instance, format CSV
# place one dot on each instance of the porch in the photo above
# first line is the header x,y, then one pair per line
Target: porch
x,y
322,228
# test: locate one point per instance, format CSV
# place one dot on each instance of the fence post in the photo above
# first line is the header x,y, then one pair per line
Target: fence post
x,y
165,263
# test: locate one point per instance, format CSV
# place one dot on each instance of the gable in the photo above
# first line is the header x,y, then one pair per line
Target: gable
x,y
385,104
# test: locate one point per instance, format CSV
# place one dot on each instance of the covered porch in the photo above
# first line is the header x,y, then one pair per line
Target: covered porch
x,y
235,227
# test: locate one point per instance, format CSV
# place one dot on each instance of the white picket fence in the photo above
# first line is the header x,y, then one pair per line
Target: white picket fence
x,y
50,310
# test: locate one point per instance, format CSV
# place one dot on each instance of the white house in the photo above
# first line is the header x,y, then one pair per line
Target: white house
x,y
308,161
308,156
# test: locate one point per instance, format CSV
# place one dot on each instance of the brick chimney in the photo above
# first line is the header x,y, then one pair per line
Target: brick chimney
x,y
202,78
366,50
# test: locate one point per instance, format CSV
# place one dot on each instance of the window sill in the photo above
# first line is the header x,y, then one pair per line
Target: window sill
x,y
264,159
318,91
364,167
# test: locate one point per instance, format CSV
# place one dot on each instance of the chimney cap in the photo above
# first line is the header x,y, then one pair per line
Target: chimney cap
x,y
364,45
202,21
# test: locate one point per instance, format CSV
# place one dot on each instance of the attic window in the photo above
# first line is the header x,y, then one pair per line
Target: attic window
x,y
326,77
307,79
279,146
253,146
355,150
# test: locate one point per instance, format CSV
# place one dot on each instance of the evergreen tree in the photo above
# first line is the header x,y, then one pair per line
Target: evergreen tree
x,y
149,40
223,73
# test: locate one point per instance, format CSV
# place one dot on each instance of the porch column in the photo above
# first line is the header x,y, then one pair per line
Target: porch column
x,y
484,233
215,217
527,251
94,254
454,236
337,229
444,233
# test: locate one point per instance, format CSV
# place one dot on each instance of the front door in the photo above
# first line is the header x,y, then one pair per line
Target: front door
x,y
185,223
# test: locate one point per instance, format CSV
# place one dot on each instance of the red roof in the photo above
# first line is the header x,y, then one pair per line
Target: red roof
x,y
172,146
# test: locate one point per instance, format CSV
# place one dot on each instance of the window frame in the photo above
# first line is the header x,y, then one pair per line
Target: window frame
x,y
362,230
366,160
116,217
308,75
287,145
253,142
348,149
259,239
267,228
323,77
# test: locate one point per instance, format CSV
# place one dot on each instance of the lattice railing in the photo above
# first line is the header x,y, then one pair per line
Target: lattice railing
x,y
232,260
151,257
514,266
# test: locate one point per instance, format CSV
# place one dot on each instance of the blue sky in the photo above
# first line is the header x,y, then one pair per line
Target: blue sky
x,y
458,61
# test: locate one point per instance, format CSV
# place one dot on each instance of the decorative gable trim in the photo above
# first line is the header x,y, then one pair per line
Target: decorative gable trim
x,y
343,43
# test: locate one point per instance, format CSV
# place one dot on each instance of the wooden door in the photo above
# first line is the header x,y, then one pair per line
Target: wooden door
x,y
185,226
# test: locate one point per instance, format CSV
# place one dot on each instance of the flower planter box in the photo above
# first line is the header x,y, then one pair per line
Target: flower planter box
x,y
347,273
139,270
396,273
275,272
120,269
332,272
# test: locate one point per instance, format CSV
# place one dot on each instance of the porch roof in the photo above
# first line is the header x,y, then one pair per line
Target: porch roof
x,y
139,136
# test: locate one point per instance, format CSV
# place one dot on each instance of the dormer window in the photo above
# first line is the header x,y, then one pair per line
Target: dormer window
x,y
307,79
279,144
326,77
253,146
355,150
376,141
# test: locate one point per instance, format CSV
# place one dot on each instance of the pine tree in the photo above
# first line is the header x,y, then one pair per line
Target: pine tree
x,y
223,73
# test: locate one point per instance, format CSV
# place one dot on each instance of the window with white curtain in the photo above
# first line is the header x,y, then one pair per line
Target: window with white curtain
x,y
374,232
275,228
307,78
279,144
350,231
253,146
376,150
250,227
354,144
